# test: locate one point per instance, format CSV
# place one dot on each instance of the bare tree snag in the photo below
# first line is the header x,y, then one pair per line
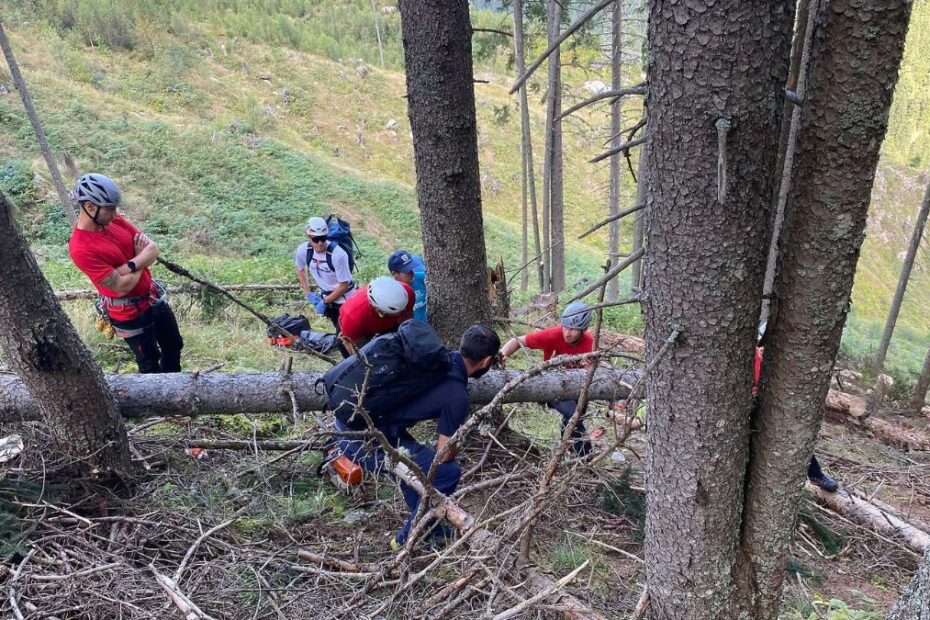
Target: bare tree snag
x,y
708,61
616,113
441,107
185,395
43,349
37,127
529,169
912,248
852,76
555,188
914,602
873,517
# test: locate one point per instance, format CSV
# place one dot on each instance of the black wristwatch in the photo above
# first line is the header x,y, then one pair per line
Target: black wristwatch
x,y
131,265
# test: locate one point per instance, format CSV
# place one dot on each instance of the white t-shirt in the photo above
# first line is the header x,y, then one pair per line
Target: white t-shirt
x,y
326,278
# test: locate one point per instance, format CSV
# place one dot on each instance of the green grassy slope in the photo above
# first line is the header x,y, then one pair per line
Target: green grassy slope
x,y
229,122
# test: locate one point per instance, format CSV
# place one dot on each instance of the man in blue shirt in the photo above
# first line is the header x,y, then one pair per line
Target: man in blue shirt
x,y
410,269
447,403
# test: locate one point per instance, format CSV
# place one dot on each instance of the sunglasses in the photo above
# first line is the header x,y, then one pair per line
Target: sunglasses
x,y
318,239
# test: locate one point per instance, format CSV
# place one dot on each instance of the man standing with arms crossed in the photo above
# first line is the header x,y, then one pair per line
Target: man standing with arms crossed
x,y
116,256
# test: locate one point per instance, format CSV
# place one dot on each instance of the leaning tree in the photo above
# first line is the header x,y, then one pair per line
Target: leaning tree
x,y
43,349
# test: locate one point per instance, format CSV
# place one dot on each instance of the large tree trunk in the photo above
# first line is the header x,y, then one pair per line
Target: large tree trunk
x,y
616,111
852,77
914,602
20,83
713,64
791,120
912,248
556,199
529,170
183,394
45,352
441,106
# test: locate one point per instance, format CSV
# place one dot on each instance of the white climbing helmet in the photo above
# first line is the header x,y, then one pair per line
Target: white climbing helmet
x,y
387,295
317,227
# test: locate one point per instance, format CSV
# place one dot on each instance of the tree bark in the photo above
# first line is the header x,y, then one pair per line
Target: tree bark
x,y
20,84
556,198
529,170
713,65
43,349
923,384
912,248
185,395
441,107
852,77
616,112
914,602
791,120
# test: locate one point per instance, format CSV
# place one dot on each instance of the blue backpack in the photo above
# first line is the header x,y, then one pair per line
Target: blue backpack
x,y
403,364
340,233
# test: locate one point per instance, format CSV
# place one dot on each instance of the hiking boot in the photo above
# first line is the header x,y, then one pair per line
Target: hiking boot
x,y
394,545
825,482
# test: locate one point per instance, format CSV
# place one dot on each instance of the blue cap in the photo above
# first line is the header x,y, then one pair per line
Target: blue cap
x,y
403,261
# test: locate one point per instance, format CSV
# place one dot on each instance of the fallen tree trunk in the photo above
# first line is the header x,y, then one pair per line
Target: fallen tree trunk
x,y
870,515
183,394
852,410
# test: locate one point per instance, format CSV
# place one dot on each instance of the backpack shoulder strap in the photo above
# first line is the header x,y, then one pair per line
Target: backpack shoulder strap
x,y
329,255
309,255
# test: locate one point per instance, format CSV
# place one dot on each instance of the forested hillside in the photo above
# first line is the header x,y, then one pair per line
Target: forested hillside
x,y
229,122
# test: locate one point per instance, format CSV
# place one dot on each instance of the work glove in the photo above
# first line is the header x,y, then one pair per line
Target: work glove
x,y
313,298
320,307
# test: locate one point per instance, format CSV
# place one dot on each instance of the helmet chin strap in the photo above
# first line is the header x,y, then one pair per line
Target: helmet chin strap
x,y
94,216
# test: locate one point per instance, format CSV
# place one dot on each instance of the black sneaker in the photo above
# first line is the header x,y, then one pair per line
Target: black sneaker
x,y
825,482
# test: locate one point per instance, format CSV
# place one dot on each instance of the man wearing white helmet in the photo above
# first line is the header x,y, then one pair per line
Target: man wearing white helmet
x,y
330,268
376,309
116,256
569,338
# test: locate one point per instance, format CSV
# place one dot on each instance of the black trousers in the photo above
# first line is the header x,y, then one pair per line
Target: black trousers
x,y
158,347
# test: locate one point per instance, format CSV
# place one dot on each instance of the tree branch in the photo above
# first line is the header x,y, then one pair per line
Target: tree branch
x,y
639,89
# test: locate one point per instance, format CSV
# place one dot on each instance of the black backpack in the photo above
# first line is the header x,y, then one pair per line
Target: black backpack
x,y
293,324
403,364
340,234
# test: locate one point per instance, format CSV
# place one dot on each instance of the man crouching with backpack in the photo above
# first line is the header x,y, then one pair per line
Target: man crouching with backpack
x,y
446,402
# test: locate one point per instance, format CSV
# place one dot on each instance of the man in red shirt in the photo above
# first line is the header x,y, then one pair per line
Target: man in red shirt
x,y
376,309
116,256
569,338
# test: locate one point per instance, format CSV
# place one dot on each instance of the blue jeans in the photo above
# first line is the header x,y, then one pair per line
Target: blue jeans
x,y
371,458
